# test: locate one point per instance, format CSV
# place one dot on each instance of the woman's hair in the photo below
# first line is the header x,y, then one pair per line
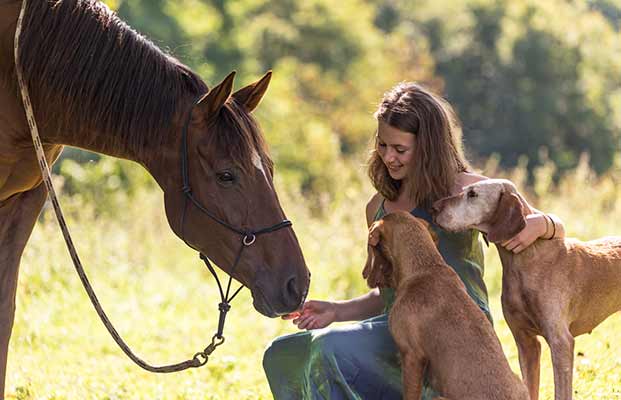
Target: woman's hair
x,y
438,154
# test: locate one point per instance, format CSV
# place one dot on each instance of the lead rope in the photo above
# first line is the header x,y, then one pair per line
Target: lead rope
x,y
199,358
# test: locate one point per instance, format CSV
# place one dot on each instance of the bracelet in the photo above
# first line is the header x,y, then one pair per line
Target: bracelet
x,y
553,226
545,234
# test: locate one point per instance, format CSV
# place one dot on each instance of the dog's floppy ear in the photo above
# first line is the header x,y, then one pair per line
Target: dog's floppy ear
x,y
377,267
508,220
375,232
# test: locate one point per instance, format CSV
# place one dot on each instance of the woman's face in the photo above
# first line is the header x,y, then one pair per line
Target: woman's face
x,y
396,149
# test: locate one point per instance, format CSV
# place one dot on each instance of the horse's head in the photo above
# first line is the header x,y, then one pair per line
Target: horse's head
x,y
230,176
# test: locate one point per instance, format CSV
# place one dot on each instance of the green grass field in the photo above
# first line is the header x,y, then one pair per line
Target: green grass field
x,y
164,301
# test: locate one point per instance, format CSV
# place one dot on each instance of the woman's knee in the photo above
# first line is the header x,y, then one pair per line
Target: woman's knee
x,y
329,343
274,352
286,349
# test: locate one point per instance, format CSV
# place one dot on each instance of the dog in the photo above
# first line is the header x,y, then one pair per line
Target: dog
x,y
435,324
558,288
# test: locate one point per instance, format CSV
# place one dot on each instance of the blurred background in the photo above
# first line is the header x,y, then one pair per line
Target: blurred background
x,y
536,85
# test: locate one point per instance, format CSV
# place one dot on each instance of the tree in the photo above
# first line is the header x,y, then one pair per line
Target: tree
x,y
520,82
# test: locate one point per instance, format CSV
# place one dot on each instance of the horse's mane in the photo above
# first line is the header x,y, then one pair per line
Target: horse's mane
x,y
240,146
90,71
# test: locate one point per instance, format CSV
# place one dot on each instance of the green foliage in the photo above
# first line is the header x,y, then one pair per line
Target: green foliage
x,y
524,75
107,185
609,9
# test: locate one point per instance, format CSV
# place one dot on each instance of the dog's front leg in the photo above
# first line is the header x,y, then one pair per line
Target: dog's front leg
x,y
529,353
561,344
413,367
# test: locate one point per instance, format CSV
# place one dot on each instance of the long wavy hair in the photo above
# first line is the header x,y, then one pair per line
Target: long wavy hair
x,y
438,152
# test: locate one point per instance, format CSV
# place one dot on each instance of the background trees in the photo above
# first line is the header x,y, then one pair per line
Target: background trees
x,y
530,80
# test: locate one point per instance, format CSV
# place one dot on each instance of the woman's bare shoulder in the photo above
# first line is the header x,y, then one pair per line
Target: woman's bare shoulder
x,y
372,206
464,179
468,178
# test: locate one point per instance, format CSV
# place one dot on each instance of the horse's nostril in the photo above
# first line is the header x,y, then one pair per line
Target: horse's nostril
x,y
292,292
291,287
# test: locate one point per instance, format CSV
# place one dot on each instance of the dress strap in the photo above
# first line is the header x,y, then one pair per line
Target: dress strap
x,y
417,212
423,214
379,214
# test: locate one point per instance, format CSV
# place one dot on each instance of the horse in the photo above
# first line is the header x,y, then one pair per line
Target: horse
x,y
97,84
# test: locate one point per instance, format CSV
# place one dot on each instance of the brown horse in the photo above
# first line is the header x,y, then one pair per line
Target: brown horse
x,y
96,84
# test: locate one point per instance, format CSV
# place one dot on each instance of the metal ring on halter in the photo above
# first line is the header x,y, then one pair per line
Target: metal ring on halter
x,y
249,239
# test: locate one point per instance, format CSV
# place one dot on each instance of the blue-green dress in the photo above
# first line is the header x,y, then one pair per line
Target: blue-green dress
x,y
360,360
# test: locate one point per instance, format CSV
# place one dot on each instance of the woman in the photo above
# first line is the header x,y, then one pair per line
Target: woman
x,y
417,160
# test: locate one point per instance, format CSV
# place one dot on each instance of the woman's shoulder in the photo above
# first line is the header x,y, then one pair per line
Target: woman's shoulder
x,y
372,206
467,178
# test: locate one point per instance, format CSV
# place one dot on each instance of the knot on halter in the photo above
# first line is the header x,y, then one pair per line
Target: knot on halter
x,y
186,189
224,307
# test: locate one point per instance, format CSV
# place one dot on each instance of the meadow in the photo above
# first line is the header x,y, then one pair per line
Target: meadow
x,y
164,301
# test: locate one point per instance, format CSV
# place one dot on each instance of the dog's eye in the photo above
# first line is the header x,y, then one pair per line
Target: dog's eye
x,y
472,193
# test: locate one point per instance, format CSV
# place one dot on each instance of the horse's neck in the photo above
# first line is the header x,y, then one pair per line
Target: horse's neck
x,y
98,139
116,96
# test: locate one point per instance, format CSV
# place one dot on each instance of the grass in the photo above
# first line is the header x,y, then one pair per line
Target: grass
x,y
164,302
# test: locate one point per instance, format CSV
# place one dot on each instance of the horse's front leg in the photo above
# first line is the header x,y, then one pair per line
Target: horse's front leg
x,y
18,215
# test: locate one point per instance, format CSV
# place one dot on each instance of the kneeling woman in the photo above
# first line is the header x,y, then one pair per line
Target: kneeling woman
x,y
417,160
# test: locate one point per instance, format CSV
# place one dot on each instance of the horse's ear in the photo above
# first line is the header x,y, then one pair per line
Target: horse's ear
x,y
217,96
251,95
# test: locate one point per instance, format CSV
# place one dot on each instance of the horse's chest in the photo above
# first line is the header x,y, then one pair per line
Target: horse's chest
x,y
22,174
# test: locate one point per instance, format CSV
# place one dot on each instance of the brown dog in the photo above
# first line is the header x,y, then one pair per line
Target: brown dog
x,y
557,288
434,322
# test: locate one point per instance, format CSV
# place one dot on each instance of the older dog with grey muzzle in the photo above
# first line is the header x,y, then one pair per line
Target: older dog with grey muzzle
x,y
557,289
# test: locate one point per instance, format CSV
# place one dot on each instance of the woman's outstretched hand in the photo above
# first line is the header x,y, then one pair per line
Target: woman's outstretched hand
x,y
314,314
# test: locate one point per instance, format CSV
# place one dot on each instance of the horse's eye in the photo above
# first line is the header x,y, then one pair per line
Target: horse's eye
x,y
472,193
226,177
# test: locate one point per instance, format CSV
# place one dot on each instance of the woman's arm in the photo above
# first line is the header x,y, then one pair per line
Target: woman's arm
x,y
359,308
319,314
558,229
538,224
